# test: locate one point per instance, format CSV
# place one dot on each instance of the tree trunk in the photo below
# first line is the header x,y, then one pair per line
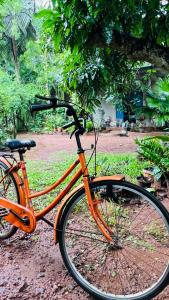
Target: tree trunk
x,y
14,127
46,70
15,58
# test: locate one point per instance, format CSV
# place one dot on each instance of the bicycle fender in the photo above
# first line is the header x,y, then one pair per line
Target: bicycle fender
x,y
117,177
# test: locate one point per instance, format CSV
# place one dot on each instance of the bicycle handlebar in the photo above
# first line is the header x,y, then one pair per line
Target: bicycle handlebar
x,y
53,104
39,107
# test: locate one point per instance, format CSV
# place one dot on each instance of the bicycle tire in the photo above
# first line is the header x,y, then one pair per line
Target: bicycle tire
x,y
138,268
9,190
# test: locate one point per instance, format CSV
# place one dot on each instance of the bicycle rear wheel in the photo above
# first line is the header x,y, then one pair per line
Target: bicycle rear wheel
x,y
9,190
135,266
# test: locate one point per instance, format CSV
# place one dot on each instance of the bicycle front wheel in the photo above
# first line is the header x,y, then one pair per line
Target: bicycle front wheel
x,y
135,265
9,190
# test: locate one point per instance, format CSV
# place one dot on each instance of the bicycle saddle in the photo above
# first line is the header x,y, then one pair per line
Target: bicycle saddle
x,y
17,144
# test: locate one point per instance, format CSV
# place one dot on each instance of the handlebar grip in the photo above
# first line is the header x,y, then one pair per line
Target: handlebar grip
x,y
39,107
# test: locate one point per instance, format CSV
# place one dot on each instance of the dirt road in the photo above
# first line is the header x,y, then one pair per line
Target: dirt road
x,y
49,145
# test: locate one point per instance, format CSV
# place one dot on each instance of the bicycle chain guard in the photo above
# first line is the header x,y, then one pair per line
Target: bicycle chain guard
x,y
17,215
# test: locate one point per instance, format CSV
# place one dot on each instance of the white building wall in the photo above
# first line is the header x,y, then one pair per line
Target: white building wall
x,y
104,113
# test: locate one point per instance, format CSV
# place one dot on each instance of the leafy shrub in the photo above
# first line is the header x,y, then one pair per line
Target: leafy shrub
x,y
155,151
47,121
127,164
157,103
54,120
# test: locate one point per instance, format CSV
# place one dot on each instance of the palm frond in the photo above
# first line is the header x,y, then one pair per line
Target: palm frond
x,y
16,21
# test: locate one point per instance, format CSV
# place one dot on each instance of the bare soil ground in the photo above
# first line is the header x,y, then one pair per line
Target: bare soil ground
x,y
30,265
50,144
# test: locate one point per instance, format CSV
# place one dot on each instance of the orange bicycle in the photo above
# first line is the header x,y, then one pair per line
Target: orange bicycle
x,y
113,235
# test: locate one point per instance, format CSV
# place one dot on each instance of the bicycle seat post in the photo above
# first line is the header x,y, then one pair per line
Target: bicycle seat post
x,y
21,152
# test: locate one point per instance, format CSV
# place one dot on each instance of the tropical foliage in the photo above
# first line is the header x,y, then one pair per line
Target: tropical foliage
x,y
28,66
157,107
15,100
106,42
15,29
136,30
156,151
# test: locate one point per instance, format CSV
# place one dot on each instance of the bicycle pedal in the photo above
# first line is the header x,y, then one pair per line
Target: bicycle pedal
x,y
3,212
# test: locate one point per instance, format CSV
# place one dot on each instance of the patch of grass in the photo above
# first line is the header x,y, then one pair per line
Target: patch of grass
x,y
157,230
127,164
141,243
44,173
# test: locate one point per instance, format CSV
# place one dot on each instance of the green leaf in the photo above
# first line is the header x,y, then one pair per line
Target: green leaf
x,y
44,13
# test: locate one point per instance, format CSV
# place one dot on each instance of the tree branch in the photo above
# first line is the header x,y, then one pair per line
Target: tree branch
x,y
135,49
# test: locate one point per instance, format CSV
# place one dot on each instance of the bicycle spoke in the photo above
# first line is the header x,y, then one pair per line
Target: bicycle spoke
x,y
125,275
121,281
87,237
135,263
100,278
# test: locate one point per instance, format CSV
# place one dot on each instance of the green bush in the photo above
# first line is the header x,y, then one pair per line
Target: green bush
x,y
155,151
47,122
54,121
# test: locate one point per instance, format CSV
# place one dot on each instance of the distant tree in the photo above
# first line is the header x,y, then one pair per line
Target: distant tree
x,y
28,66
16,29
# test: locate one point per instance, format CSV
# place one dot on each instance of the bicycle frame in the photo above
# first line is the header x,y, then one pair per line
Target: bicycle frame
x,y
29,196
26,196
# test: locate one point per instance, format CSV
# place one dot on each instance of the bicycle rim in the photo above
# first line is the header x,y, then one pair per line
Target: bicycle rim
x,y
135,266
9,190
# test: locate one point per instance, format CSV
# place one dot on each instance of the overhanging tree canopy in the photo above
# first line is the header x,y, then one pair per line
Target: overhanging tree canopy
x,y
137,29
106,40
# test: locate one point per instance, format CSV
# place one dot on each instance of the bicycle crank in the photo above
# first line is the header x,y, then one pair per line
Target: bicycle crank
x,y
17,215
